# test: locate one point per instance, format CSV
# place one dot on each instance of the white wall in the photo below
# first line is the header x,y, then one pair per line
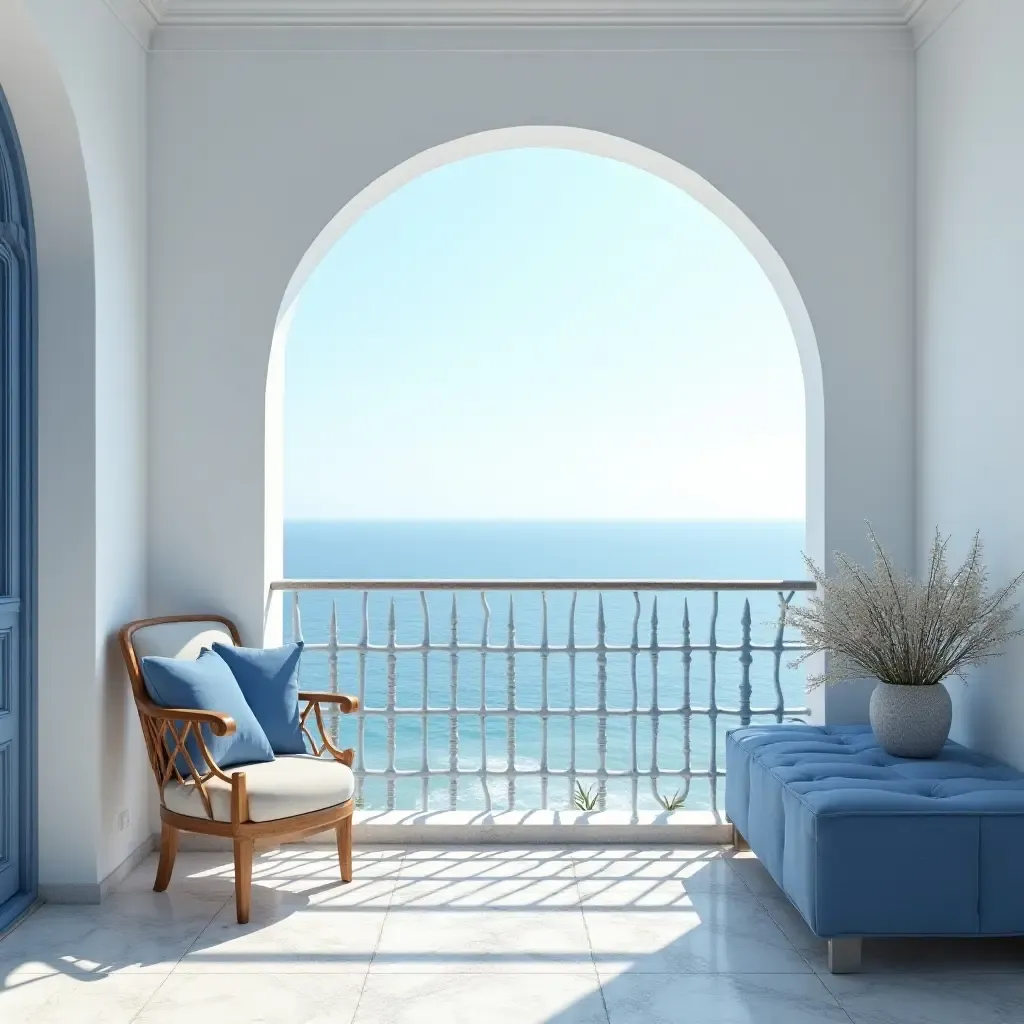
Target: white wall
x,y
76,81
259,139
971,321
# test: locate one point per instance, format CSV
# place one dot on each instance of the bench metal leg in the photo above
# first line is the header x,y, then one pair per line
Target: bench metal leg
x,y
738,841
844,956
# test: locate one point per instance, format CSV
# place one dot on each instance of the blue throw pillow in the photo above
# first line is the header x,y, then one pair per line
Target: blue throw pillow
x,y
207,684
269,680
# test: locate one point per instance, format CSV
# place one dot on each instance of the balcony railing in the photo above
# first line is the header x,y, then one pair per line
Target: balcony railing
x,y
566,702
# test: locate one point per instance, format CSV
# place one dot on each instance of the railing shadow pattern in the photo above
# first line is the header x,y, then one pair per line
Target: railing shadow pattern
x,y
565,935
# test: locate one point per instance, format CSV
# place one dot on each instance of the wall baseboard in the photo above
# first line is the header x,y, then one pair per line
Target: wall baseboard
x,y
97,892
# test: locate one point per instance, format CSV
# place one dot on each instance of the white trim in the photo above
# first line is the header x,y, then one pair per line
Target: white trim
x,y
97,892
139,17
926,17
534,39
349,13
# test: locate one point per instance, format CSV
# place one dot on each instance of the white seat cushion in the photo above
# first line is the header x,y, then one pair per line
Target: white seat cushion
x,y
289,785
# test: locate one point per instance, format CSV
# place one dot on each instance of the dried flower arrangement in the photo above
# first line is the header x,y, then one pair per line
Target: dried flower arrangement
x,y
880,622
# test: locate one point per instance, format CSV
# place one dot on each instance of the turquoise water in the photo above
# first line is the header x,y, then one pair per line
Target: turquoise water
x,y
437,550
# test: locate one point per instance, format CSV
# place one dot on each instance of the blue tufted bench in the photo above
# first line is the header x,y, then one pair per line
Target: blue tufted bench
x,y
866,844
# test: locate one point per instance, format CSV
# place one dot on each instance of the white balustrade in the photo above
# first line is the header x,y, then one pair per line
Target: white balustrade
x,y
669,684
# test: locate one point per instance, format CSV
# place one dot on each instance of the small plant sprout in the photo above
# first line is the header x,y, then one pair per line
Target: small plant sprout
x,y
673,802
584,799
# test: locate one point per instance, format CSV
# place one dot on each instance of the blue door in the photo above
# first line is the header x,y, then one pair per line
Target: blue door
x,y
17,549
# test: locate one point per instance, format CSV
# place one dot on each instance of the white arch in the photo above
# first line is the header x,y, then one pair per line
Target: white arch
x,y
596,144
69,812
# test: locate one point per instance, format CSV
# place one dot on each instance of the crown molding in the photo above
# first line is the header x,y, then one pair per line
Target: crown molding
x,y
926,17
140,17
477,13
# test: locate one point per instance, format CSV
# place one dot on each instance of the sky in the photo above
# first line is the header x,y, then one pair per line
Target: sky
x,y
541,334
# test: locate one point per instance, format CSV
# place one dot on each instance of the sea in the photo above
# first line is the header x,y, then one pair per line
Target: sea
x,y
544,550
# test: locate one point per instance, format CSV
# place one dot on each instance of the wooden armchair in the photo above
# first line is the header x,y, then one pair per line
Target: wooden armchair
x,y
290,798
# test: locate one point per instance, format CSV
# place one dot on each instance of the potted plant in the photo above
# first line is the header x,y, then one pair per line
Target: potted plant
x,y
908,635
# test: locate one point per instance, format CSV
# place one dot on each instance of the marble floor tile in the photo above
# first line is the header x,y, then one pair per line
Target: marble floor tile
x,y
697,869
290,868
129,932
488,893
793,926
468,941
716,933
196,873
287,933
949,998
482,934
636,894
68,999
362,892
506,998
255,999
753,873
720,999
433,864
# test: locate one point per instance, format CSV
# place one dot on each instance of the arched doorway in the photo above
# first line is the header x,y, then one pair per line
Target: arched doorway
x,y
17,539
727,218
583,141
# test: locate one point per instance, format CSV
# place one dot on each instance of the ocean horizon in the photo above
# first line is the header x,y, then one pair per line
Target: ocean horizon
x,y
554,550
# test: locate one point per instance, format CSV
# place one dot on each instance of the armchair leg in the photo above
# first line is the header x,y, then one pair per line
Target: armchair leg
x,y
344,833
168,851
243,878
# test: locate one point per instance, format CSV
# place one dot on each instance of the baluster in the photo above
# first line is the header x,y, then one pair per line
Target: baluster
x,y
484,643
425,704
364,643
332,672
655,702
634,648
570,647
453,710
777,651
686,709
510,708
544,701
713,703
746,657
297,636
602,708
391,701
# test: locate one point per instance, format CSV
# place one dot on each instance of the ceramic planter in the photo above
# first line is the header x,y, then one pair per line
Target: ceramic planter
x,y
911,721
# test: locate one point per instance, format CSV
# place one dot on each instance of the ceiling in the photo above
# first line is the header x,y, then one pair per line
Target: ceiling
x,y
150,14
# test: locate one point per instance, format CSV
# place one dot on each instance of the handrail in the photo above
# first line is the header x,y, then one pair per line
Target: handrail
x,y
541,584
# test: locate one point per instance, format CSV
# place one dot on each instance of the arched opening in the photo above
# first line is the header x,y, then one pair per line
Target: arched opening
x,y
62,835
583,141
784,291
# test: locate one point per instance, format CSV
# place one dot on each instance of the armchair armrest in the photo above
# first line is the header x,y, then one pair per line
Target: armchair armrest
x,y
168,732
314,702
220,724
346,703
